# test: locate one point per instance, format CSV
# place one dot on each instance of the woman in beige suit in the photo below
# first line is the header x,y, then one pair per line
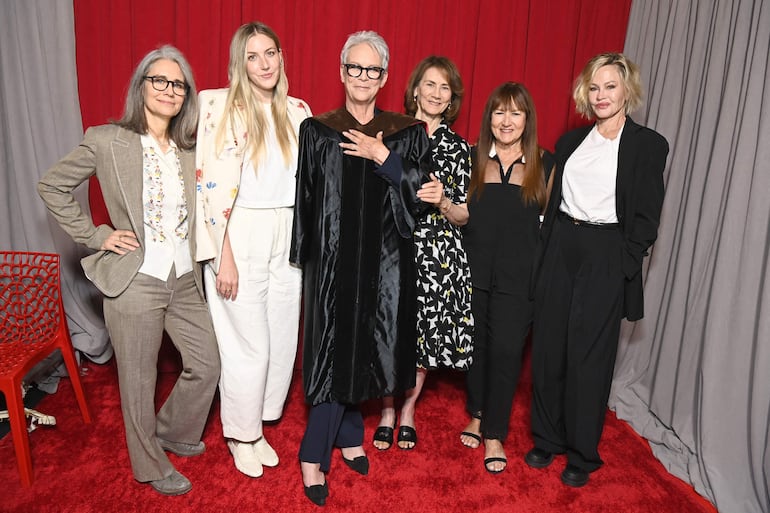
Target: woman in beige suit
x,y
247,162
145,266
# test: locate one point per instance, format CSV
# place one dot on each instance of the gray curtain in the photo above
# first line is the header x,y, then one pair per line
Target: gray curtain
x,y
693,377
39,123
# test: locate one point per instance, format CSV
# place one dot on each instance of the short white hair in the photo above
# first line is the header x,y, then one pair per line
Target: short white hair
x,y
370,38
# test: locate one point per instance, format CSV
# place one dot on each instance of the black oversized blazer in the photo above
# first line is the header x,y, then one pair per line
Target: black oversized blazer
x,y
638,202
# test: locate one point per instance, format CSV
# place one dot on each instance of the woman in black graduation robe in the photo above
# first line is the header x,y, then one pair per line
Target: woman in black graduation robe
x,y
361,180
353,238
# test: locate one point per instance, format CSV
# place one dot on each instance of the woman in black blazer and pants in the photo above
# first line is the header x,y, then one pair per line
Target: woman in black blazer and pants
x,y
601,218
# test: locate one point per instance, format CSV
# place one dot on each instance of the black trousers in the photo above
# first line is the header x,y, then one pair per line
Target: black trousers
x,y
330,425
501,323
579,305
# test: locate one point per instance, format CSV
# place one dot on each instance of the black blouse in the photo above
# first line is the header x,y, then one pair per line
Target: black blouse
x,y
502,233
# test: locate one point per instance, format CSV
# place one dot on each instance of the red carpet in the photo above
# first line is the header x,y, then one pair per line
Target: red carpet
x,y
81,468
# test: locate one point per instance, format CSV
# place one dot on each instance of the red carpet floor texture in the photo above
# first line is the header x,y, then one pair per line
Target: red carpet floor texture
x,y
85,468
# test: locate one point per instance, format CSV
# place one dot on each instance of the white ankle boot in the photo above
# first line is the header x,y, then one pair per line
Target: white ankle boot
x,y
246,459
265,453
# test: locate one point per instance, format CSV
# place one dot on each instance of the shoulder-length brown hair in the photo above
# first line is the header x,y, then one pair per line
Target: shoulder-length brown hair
x,y
181,128
452,75
515,96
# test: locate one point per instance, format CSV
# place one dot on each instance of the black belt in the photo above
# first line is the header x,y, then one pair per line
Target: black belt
x,y
587,224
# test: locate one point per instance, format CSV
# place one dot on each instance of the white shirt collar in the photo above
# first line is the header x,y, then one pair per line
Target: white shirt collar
x,y
493,153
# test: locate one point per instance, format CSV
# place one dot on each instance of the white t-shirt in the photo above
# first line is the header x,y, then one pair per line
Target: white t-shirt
x,y
272,185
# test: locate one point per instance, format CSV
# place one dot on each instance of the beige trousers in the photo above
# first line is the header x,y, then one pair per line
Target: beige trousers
x,y
136,320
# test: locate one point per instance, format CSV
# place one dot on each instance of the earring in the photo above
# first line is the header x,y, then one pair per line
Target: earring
x,y
414,98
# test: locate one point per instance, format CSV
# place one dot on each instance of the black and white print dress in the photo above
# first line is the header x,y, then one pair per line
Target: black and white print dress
x,y
444,320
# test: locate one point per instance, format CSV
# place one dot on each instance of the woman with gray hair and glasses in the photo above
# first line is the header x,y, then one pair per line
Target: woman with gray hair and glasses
x,y
362,180
144,263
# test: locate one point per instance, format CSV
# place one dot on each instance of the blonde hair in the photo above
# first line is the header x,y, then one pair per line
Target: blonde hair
x,y
629,73
242,103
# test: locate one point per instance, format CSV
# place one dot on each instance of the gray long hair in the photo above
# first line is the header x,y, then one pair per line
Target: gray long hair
x,y
183,126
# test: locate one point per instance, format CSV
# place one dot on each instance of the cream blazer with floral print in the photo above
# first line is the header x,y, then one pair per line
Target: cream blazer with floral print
x,y
219,176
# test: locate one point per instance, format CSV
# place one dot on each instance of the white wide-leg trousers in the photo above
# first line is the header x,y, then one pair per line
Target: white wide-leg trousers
x,y
257,333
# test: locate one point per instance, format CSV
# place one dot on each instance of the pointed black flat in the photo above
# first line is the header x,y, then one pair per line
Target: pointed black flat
x,y
360,464
317,493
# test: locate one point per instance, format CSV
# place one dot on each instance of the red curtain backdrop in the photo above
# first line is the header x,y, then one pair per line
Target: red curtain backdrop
x,y
541,43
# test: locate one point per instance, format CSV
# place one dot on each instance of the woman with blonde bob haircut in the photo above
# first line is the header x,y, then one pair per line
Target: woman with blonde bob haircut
x,y
629,75
247,161
602,216
507,195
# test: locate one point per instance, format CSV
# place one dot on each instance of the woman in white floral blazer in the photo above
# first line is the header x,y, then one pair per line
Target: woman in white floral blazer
x,y
246,161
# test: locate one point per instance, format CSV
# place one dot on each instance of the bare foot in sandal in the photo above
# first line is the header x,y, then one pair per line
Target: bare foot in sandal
x,y
495,460
383,435
471,435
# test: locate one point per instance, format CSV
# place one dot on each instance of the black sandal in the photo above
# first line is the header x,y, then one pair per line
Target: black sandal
x,y
487,462
477,437
384,434
407,434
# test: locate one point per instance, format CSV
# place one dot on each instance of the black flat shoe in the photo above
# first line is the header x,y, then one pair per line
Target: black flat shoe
x,y
538,458
360,464
574,476
407,434
384,434
317,493
488,461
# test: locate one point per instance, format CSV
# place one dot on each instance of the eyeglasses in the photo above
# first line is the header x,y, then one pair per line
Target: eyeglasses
x,y
373,72
162,83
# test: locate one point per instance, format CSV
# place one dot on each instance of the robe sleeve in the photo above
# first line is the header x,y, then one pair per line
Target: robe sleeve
x,y
302,229
415,171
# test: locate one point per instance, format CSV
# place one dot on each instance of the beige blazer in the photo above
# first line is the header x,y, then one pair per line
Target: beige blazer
x,y
114,155
219,175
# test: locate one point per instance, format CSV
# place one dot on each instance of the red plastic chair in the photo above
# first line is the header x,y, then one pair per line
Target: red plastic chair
x,y
32,326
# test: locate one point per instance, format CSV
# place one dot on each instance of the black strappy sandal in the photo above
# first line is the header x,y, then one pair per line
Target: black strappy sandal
x,y
477,437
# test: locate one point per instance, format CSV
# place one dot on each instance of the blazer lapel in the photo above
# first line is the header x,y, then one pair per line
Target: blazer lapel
x,y
127,159
627,150
187,161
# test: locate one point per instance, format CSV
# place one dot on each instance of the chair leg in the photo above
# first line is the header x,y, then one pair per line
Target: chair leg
x,y
74,372
19,432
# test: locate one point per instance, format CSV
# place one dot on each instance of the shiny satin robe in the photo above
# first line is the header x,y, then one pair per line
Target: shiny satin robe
x,y
352,235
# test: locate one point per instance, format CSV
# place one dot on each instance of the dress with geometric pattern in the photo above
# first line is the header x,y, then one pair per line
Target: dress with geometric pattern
x,y
444,320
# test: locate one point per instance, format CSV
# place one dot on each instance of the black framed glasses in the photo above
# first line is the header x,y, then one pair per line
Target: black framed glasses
x,y
161,84
355,71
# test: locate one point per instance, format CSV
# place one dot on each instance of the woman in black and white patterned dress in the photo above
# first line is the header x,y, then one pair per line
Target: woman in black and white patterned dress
x,y
444,321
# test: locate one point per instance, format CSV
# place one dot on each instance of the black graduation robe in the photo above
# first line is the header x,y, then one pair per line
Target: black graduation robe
x,y
352,235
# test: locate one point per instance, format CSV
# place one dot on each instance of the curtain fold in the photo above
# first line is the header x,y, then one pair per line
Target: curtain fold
x,y
41,122
692,376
